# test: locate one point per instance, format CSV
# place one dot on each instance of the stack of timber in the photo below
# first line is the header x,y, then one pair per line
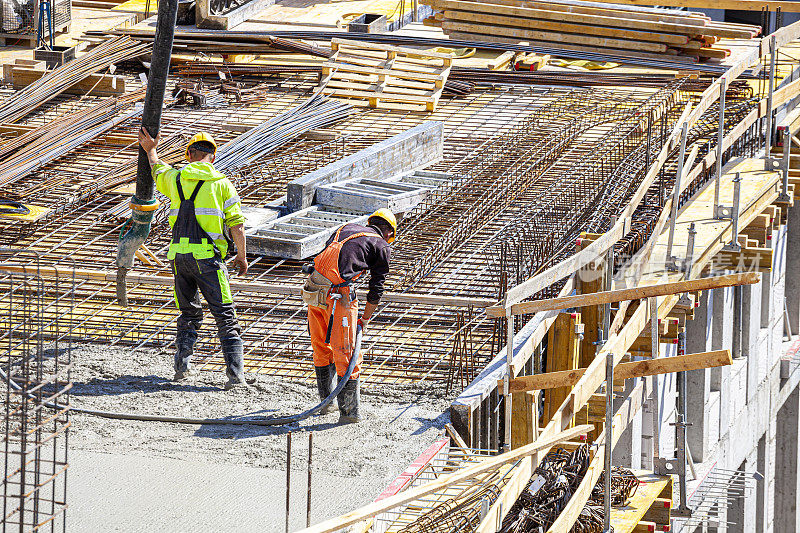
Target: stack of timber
x,y
589,26
380,75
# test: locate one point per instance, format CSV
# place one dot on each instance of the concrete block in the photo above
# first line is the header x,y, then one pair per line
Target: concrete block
x,y
778,292
301,234
765,355
787,518
742,505
751,327
698,391
793,267
722,318
738,383
751,317
411,150
713,408
761,486
648,439
628,450
722,339
769,476
698,331
400,194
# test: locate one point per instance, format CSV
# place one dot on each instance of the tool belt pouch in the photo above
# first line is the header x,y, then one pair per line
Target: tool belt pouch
x,y
315,290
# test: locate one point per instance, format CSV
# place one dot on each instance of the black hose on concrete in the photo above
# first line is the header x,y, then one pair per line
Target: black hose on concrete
x,y
280,421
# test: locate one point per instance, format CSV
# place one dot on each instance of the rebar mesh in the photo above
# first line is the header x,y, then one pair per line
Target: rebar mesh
x,y
36,342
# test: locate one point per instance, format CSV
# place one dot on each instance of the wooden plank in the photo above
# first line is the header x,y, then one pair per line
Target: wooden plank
x,y
585,29
628,518
524,418
714,53
607,10
527,34
395,97
563,355
633,369
394,71
743,5
382,91
375,508
411,52
467,36
659,511
590,280
501,61
636,293
613,21
95,84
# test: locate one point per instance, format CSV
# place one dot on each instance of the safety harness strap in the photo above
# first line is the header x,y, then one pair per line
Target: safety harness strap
x,y
180,188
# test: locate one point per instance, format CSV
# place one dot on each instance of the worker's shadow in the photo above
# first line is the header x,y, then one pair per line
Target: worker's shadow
x,y
128,384
426,424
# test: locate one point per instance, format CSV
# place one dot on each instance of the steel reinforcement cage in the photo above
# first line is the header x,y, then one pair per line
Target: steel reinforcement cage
x,y
35,348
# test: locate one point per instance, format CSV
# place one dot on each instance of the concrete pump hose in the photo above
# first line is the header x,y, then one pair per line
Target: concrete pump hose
x,y
261,421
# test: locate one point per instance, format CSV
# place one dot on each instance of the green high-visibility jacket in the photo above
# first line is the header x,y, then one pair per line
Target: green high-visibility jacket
x,y
217,203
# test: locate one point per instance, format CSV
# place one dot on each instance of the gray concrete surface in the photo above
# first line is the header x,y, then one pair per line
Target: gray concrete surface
x,y
152,476
131,493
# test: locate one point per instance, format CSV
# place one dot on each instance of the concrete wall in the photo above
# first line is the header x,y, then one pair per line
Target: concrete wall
x,y
746,416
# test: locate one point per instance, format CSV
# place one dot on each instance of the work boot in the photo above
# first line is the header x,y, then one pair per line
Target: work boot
x,y
184,349
233,353
348,402
181,375
324,385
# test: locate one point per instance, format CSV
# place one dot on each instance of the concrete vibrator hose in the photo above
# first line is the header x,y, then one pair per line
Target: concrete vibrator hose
x,y
260,421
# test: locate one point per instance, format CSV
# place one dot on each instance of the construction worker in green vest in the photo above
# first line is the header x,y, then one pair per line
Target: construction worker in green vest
x,y
203,205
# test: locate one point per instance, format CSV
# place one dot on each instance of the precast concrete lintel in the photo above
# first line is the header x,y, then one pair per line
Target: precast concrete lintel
x,y
413,149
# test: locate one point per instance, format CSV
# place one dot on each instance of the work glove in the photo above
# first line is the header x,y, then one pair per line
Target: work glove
x,y
363,323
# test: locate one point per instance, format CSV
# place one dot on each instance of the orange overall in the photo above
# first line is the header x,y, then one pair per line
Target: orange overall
x,y
345,316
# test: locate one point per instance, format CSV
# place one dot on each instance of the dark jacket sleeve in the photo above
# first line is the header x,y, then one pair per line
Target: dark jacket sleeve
x,y
378,272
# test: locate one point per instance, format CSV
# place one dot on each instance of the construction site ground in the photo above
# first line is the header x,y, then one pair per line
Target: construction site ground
x,y
172,477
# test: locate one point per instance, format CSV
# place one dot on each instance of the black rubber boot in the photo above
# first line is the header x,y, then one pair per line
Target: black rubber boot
x,y
184,349
325,384
233,353
348,402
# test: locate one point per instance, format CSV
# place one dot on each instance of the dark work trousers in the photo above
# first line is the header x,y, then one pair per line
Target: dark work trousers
x,y
209,277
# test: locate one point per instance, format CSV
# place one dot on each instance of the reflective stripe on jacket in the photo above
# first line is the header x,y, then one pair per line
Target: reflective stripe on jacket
x,y
217,203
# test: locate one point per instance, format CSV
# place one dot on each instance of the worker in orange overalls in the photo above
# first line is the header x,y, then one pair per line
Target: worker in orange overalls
x,y
351,251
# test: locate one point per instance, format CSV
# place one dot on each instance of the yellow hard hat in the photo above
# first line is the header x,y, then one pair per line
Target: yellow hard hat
x,y
389,217
202,136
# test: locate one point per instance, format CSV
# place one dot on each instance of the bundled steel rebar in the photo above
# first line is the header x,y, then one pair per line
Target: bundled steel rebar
x,y
254,42
552,486
316,112
57,81
623,485
57,138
